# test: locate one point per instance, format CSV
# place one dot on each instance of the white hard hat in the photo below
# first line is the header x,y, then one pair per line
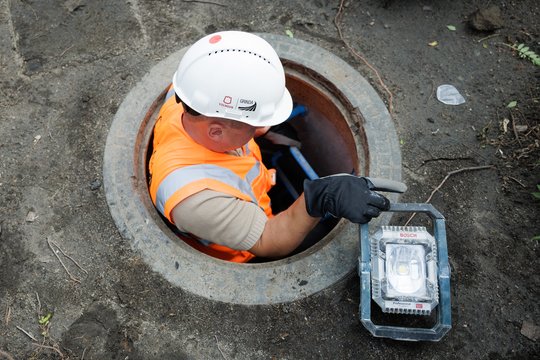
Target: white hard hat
x,y
234,75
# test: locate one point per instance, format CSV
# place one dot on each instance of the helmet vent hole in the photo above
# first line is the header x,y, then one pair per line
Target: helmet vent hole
x,y
240,50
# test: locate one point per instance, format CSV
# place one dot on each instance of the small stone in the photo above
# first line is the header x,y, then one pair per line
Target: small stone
x,y
486,19
73,5
31,216
530,331
33,65
96,184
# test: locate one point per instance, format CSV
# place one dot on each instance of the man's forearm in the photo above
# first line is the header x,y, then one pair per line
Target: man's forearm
x,y
285,231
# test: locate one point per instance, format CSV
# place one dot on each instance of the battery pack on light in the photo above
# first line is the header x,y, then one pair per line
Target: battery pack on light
x,y
405,270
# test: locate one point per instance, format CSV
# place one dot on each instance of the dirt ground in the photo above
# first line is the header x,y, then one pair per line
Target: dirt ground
x,y
66,67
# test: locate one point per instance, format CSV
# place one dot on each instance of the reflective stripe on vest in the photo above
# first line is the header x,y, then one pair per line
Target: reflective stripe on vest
x,y
183,176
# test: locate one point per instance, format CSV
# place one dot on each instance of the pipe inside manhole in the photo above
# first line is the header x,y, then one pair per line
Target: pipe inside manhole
x,y
347,129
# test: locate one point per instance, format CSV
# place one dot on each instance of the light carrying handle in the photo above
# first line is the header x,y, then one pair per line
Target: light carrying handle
x,y
380,184
444,315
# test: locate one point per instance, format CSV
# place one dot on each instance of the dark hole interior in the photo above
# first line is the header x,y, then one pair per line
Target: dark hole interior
x,y
327,145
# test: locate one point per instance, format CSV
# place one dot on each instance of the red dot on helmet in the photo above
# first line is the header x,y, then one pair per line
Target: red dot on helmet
x,y
214,39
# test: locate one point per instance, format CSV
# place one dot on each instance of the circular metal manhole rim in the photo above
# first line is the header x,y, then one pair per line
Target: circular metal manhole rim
x,y
250,284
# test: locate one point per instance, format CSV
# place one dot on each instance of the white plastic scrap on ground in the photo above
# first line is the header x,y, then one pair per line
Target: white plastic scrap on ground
x,y
449,95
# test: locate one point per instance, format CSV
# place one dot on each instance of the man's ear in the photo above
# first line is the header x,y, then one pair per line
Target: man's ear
x,y
215,131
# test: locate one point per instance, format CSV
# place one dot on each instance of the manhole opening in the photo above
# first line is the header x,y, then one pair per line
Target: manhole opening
x,y
320,80
328,144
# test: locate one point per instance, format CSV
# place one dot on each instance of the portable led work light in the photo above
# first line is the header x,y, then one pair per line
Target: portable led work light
x,y
405,271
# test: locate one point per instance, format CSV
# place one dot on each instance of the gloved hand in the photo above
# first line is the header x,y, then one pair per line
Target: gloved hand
x,y
346,196
282,134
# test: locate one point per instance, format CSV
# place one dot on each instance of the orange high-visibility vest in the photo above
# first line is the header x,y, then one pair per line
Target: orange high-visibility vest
x,y
180,167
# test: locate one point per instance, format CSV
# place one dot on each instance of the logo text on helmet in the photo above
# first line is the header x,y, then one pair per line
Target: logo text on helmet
x,y
226,102
251,105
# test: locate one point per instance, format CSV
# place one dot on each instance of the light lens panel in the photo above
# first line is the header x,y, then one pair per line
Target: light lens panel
x,y
404,270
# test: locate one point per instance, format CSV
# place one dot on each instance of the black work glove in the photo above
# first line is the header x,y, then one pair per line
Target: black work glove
x,y
346,196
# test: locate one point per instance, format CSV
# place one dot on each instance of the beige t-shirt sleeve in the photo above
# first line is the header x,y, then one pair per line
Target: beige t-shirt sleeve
x,y
221,219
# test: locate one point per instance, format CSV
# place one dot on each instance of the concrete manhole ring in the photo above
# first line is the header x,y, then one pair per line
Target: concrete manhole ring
x,y
370,131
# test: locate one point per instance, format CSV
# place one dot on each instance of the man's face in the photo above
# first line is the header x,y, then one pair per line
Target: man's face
x,y
237,134
227,135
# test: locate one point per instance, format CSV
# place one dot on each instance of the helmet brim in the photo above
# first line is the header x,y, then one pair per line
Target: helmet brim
x,y
280,115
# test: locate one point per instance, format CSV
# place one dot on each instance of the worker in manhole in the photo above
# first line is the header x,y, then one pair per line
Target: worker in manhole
x,y
207,175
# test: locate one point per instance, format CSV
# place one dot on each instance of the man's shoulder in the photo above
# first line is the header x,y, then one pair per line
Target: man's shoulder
x,y
170,110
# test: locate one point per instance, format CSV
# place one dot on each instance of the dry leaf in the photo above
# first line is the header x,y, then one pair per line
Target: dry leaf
x,y
505,123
